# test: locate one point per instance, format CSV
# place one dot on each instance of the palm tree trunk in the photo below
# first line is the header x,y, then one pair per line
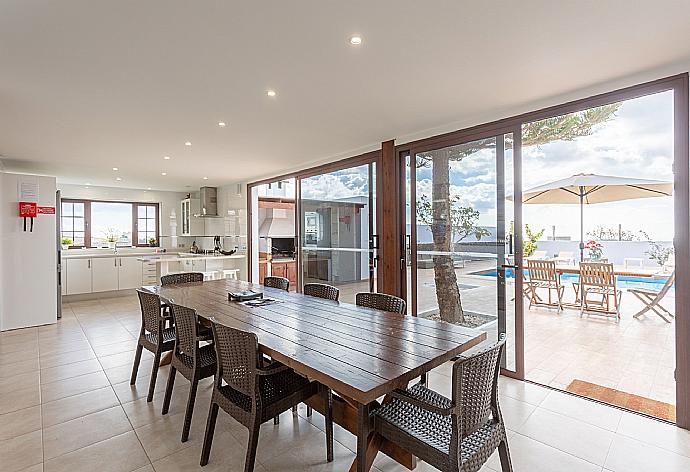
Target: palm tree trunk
x,y
447,290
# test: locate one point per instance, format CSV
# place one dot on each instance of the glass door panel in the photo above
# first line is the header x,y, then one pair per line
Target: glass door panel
x,y
462,264
337,234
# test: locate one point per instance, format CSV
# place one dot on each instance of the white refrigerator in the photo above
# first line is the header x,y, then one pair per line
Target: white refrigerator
x,y
28,257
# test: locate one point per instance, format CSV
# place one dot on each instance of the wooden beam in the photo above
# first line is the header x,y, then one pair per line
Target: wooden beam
x,y
390,247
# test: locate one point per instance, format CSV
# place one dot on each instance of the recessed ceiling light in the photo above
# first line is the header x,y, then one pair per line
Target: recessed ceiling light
x,y
118,178
271,93
88,183
205,178
148,188
164,173
222,124
356,40
115,169
167,158
188,143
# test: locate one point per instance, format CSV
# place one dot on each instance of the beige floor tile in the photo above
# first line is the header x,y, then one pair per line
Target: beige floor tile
x,y
67,371
115,360
20,422
226,454
581,409
73,386
14,368
529,455
84,431
127,393
523,391
162,438
121,453
116,348
629,455
123,373
141,413
67,358
569,435
21,452
19,399
75,406
21,381
656,433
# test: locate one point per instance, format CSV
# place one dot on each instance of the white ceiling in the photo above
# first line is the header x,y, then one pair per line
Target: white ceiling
x,y
86,85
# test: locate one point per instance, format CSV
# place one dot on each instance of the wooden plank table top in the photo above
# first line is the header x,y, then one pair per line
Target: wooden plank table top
x,y
359,352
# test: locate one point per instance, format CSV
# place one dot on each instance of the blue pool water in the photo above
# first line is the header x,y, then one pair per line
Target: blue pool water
x,y
621,281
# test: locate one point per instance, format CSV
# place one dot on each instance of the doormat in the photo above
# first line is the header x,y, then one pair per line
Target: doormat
x,y
655,408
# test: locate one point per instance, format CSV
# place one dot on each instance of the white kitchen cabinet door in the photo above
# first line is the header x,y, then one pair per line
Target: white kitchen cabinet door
x,y
77,274
104,274
130,272
199,266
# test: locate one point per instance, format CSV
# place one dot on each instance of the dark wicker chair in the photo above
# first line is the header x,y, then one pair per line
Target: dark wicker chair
x,y
455,435
280,283
154,336
381,301
253,394
329,292
182,278
194,362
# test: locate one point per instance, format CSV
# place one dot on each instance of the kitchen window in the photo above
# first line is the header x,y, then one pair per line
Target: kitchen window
x,y
95,223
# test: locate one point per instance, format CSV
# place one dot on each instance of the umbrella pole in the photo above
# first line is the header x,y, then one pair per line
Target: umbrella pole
x,y
582,223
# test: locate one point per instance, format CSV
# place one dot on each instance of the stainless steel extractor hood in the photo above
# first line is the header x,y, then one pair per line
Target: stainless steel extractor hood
x,y
277,223
208,201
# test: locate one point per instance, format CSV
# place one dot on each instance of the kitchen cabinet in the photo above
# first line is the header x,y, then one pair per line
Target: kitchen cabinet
x,y
104,274
193,265
77,275
287,269
149,273
262,271
129,272
191,225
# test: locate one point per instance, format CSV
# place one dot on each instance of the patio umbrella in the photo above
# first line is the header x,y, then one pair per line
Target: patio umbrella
x,y
585,189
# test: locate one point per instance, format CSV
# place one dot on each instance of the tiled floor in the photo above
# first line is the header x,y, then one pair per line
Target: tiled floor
x,y
66,405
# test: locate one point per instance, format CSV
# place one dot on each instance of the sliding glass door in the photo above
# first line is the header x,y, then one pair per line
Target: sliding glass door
x,y
337,229
461,232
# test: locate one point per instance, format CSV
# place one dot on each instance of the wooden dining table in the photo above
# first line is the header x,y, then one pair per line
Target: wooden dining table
x,y
361,354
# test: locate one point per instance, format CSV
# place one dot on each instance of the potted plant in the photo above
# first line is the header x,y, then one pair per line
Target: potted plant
x,y
111,237
66,243
596,250
153,242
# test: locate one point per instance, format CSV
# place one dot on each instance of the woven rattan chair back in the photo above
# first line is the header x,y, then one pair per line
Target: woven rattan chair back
x,y
185,327
238,355
182,278
381,301
150,311
280,283
329,292
542,271
475,390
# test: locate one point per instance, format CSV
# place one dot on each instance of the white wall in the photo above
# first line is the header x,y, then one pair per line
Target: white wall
x,y
615,251
168,201
28,260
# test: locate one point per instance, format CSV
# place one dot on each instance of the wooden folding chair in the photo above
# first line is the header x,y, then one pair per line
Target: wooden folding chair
x,y
598,278
652,299
542,274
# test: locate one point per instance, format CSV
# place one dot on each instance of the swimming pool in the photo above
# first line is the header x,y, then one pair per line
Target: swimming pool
x,y
622,281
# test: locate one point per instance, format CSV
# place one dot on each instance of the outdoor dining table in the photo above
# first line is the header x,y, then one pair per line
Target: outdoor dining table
x,y
361,354
618,270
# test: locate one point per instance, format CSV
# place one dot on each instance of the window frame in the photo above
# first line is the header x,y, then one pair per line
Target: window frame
x,y
135,220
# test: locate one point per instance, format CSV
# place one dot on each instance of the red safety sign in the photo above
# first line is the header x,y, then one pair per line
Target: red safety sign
x,y
46,210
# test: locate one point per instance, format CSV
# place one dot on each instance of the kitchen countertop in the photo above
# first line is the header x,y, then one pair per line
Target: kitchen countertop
x,y
75,254
186,256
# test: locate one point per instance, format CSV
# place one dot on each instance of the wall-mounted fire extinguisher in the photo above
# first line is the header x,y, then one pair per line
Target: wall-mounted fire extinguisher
x,y
28,210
